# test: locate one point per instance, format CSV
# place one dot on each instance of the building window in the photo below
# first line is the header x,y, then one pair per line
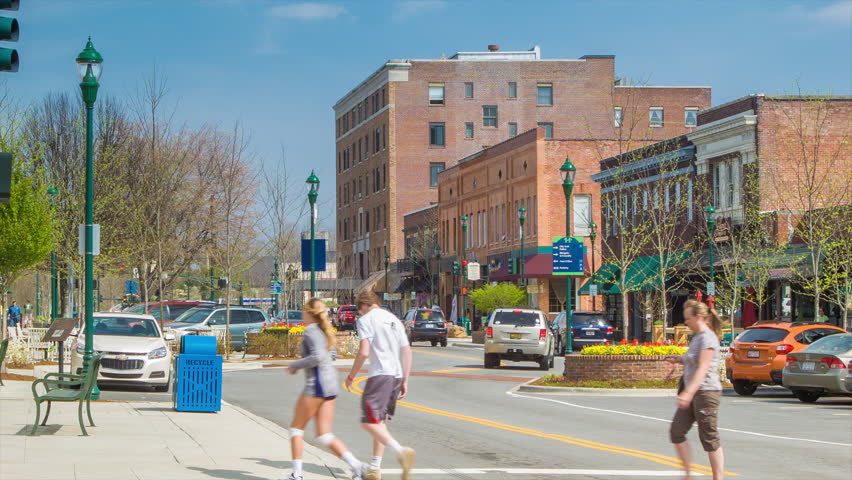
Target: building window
x,y
468,90
689,200
548,129
618,113
468,130
436,134
655,116
513,90
582,206
690,117
434,169
377,140
513,129
436,94
545,94
489,116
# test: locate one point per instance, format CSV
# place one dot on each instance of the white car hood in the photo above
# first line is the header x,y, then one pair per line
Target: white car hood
x,y
125,344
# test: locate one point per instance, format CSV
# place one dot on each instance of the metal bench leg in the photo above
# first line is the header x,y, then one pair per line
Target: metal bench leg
x,y
46,414
80,418
38,415
89,412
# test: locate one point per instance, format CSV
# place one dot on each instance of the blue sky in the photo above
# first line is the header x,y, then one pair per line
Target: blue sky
x,y
279,66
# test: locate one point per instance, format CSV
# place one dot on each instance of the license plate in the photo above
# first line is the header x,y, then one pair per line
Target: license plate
x,y
808,366
590,332
428,325
753,354
515,336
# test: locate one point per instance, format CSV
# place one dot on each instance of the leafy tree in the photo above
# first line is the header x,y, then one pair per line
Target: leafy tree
x,y
503,295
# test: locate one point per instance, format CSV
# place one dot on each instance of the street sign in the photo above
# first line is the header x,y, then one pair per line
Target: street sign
x,y
711,288
593,289
96,239
319,255
568,255
131,287
393,296
275,286
473,271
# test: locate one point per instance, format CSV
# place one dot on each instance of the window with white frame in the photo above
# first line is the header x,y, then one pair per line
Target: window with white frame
x,y
545,94
436,94
582,206
690,117
655,116
727,184
513,90
489,116
468,130
618,115
689,199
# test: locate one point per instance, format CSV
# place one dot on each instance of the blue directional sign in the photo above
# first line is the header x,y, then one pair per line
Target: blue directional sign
x,y
275,286
319,255
568,255
131,287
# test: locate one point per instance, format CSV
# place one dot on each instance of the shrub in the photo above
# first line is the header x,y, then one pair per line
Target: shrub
x,y
17,354
635,348
559,381
503,295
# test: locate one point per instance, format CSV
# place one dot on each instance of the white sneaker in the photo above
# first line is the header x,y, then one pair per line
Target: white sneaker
x,y
373,474
406,460
294,477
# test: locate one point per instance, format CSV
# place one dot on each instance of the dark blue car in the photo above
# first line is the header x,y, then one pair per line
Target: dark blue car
x,y
589,328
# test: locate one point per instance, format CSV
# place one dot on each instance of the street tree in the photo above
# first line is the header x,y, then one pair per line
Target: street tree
x,y
503,295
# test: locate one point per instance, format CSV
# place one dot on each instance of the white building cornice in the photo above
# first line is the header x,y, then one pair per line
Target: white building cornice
x,y
729,135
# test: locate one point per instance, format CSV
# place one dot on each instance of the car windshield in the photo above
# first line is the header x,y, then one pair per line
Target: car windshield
x,y
294,315
138,308
125,327
832,344
516,318
193,315
429,316
347,309
762,335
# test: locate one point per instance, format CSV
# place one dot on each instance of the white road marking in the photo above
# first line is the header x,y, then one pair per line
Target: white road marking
x,y
841,414
541,471
646,417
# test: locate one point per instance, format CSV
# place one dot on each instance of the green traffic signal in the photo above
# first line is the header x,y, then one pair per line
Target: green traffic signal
x,y
511,266
9,32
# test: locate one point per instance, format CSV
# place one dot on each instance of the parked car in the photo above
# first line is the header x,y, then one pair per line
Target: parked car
x,y
425,324
243,319
588,328
759,354
289,317
519,335
135,350
171,309
346,317
821,368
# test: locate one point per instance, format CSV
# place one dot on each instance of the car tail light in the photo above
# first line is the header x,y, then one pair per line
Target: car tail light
x,y
833,363
783,349
542,334
264,324
489,333
791,359
517,311
609,330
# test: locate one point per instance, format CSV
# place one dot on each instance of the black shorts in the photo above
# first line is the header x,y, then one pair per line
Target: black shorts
x,y
378,403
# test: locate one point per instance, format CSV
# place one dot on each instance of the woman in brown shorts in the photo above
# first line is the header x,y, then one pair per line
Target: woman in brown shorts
x,y
701,390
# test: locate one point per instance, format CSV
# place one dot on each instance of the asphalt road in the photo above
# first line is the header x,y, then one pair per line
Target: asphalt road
x,y
461,420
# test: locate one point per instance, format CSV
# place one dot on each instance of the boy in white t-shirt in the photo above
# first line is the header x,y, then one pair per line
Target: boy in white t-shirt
x,y
383,341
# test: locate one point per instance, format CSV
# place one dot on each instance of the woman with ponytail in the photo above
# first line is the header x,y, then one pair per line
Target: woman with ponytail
x,y
701,390
317,399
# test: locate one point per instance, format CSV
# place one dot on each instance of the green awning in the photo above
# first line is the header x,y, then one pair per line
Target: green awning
x,y
789,263
605,278
639,277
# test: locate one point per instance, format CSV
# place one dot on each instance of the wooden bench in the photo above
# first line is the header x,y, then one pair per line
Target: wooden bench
x,y
65,387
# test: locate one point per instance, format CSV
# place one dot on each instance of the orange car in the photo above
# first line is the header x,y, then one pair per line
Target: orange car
x,y
759,354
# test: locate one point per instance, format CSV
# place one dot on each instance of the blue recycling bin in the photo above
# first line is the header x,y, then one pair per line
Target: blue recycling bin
x,y
198,376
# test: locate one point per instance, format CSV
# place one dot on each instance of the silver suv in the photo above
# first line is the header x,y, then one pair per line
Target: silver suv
x,y
518,335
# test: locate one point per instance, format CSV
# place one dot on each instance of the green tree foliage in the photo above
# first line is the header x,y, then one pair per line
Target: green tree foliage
x,y
503,295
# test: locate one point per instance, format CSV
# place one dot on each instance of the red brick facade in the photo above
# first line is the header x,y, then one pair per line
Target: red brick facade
x,y
616,367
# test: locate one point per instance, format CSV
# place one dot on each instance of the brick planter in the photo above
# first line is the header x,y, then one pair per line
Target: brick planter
x,y
618,367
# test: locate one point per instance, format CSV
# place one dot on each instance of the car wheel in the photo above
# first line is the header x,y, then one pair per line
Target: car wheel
x,y
444,342
434,343
492,360
543,362
807,396
744,387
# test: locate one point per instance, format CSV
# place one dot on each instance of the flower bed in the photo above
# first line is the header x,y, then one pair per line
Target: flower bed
x,y
560,381
630,362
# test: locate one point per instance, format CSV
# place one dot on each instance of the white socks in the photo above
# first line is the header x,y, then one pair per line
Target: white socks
x,y
353,462
395,446
297,467
376,464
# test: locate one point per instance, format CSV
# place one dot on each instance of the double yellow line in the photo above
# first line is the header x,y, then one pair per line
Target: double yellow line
x,y
661,459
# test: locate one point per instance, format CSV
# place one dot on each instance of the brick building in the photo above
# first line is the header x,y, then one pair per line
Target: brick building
x,y
411,119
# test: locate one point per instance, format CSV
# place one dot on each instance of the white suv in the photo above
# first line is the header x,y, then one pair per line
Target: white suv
x,y
135,351
518,335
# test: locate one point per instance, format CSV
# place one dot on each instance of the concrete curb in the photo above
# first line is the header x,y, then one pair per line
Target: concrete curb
x,y
467,345
610,392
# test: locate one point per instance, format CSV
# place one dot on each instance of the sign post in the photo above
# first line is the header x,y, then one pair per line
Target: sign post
x,y
568,255
473,271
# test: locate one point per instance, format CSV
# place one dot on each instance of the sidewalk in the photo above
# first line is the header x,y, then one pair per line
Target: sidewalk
x,y
146,440
464,343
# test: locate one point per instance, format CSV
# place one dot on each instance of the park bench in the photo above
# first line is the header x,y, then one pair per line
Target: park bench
x,y
4,344
65,387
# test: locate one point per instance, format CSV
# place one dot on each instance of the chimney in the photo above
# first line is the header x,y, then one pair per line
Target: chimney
x,y
493,48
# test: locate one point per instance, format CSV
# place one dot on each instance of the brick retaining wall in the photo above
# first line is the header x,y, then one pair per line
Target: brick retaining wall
x,y
618,367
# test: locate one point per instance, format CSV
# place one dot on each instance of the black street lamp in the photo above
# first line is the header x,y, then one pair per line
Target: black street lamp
x,y
568,171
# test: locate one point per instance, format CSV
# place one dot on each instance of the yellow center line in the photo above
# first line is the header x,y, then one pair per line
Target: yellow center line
x,y
654,457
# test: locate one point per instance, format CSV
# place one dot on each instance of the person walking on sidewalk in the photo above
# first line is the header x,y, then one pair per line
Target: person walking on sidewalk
x,y
701,390
14,316
318,397
383,341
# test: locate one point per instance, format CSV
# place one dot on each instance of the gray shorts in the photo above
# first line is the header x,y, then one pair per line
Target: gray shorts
x,y
378,403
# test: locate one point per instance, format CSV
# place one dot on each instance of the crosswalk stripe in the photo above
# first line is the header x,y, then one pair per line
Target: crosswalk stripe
x,y
541,471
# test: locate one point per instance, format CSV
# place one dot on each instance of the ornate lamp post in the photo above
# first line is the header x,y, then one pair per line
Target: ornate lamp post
x,y
387,262
277,281
314,182
89,66
522,217
593,235
711,227
464,266
568,171
52,192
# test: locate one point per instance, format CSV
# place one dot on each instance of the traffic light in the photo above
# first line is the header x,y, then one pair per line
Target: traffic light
x,y
8,33
456,268
511,266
